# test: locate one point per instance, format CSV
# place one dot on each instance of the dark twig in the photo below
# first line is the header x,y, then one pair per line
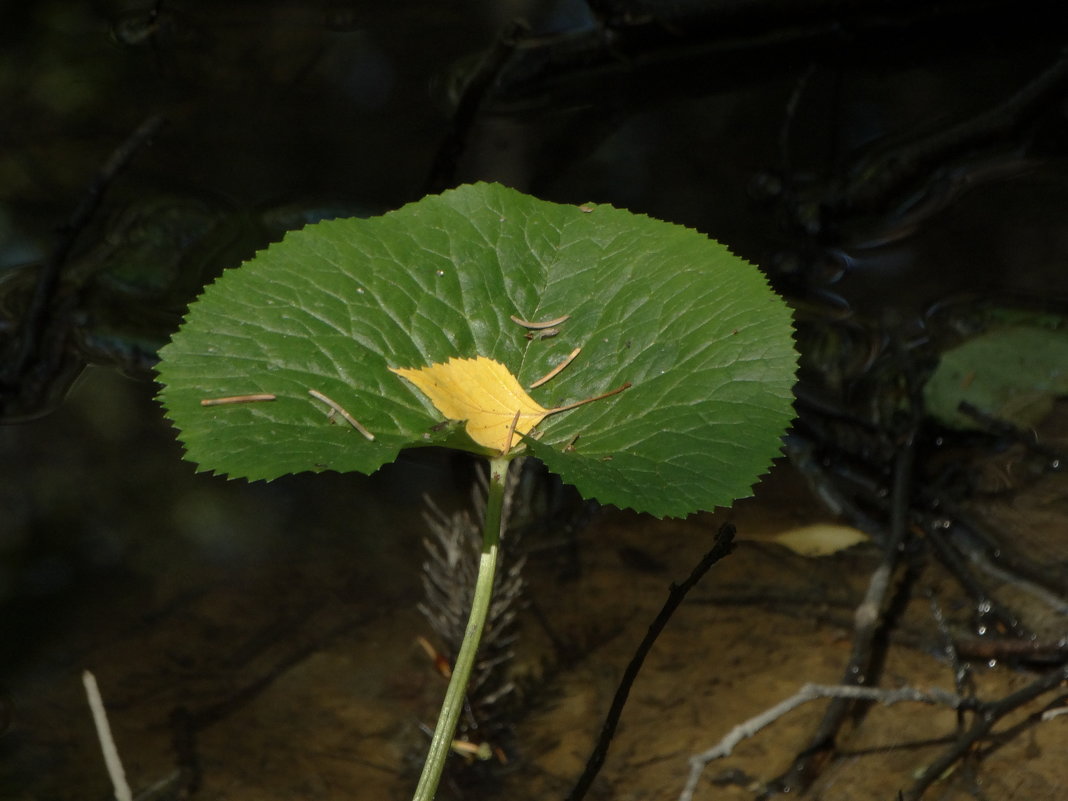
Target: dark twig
x,y
184,743
874,178
186,724
991,612
980,545
1051,652
443,170
723,546
1003,428
38,317
988,715
949,649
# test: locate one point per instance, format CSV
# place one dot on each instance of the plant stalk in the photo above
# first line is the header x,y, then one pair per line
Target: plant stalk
x,y
441,743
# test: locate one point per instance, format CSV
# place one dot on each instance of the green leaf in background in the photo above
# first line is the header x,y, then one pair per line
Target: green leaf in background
x,y
1010,372
697,332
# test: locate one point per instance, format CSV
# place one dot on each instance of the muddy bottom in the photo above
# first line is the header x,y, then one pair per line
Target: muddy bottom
x,y
278,660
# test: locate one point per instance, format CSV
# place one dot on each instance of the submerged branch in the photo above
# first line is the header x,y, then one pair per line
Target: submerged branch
x,y
868,620
811,692
989,714
723,546
38,317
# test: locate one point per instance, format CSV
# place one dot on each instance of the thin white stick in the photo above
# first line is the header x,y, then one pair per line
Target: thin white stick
x,y
107,744
809,692
1050,714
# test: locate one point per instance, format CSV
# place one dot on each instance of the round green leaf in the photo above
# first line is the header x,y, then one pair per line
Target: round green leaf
x,y
1012,372
704,343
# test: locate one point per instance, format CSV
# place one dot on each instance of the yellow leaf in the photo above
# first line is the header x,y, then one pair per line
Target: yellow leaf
x,y
820,539
481,391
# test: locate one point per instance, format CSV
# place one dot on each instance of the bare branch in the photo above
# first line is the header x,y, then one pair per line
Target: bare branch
x,y
812,692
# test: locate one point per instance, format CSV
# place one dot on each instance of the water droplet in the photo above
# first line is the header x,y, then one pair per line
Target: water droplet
x,y
359,290
442,272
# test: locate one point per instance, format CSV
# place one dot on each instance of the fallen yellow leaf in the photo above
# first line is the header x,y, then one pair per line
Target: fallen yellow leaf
x,y
820,539
484,393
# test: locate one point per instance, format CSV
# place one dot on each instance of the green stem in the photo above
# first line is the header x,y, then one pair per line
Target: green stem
x,y
465,660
